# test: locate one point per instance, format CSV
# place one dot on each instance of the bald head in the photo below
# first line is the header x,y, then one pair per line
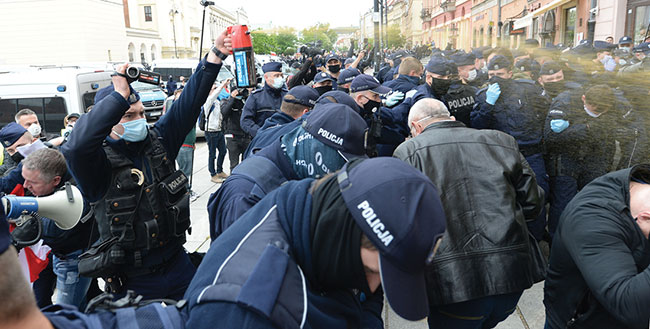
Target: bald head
x,y
640,205
425,112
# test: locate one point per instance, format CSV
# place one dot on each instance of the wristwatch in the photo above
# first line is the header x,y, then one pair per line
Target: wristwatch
x,y
219,53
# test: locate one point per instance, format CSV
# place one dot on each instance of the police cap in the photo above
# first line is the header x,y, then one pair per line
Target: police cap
x,y
272,67
549,68
499,62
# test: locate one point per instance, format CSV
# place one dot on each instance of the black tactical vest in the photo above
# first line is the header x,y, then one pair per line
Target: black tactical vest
x,y
139,216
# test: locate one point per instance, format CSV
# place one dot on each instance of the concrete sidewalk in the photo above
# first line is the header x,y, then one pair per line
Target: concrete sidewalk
x,y
529,313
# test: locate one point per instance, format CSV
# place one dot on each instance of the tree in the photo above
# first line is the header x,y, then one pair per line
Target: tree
x,y
263,43
320,32
395,38
285,41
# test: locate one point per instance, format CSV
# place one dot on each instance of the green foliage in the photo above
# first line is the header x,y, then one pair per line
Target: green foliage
x,y
320,32
263,43
395,38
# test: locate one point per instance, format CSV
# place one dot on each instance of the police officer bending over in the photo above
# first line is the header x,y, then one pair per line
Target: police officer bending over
x,y
127,170
295,258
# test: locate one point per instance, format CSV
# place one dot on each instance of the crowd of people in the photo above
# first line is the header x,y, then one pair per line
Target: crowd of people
x,y
435,186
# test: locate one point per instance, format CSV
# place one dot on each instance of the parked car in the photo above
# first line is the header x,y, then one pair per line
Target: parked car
x,y
51,91
152,97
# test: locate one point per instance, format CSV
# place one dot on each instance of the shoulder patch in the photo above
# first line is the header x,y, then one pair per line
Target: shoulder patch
x,y
556,112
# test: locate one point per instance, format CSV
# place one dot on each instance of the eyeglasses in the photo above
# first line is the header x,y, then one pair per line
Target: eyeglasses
x,y
427,117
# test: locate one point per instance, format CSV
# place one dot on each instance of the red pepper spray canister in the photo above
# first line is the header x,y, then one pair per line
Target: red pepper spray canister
x,y
242,49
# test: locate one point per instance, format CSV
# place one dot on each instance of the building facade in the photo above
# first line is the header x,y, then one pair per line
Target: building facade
x,y
466,24
99,31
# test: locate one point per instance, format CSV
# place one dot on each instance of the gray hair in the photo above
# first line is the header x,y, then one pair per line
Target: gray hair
x,y
428,108
48,162
22,113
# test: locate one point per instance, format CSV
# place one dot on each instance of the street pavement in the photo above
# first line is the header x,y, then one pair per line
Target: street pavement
x,y
529,313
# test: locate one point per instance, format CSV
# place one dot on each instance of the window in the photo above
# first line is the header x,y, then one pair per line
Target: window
x,y
569,26
641,20
49,110
147,14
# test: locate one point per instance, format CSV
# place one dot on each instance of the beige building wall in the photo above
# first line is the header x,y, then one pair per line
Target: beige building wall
x,y
62,32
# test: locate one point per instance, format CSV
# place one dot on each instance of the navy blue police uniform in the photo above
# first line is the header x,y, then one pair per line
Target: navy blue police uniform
x,y
519,111
271,167
579,149
262,103
266,135
266,270
141,202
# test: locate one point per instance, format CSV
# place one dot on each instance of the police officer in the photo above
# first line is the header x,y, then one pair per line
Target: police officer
x,y
441,85
410,72
333,67
141,201
294,259
578,143
323,83
516,108
264,102
460,97
384,131
329,137
296,103
236,139
345,79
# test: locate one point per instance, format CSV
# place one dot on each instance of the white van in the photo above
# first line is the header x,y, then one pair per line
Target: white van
x,y
51,91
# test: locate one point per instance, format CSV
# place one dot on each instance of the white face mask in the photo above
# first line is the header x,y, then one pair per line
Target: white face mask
x,y
34,129
472,75
278,82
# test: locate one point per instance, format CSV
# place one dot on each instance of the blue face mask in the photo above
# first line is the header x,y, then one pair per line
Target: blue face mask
x,y
134,131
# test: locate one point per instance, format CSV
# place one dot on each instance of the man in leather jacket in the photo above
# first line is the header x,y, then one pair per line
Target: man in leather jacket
x,y
487,257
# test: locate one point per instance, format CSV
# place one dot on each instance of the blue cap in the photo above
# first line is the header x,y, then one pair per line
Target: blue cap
x,y
134,97
348,61
399,210
440,65
11,133
550,67
524,65
322,76
366,82
463,59
338,97
499,62
340,127
347,75
625,40
332,56
272,67
603,45
478,53
302,95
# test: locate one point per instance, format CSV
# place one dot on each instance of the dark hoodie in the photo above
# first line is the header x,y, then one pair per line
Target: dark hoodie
x,y
598,271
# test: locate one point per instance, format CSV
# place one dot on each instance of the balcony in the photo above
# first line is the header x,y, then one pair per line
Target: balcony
x,y
425,14
448,6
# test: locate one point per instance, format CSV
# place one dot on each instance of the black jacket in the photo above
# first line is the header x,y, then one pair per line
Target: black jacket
x,y
231,109
598,272
488,191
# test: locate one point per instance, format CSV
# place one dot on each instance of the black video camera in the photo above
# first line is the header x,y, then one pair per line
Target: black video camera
x,y
135,74
312,49
243,92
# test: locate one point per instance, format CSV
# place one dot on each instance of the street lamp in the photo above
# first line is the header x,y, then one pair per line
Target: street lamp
x,y
173,14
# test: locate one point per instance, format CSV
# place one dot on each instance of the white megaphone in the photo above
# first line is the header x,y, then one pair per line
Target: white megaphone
x,y
64,207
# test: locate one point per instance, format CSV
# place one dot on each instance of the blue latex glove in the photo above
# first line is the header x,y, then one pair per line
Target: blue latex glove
x,y
558,125
394,98
493,93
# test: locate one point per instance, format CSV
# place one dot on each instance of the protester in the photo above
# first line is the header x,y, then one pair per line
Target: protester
x,y
598,271
237,140
487,204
